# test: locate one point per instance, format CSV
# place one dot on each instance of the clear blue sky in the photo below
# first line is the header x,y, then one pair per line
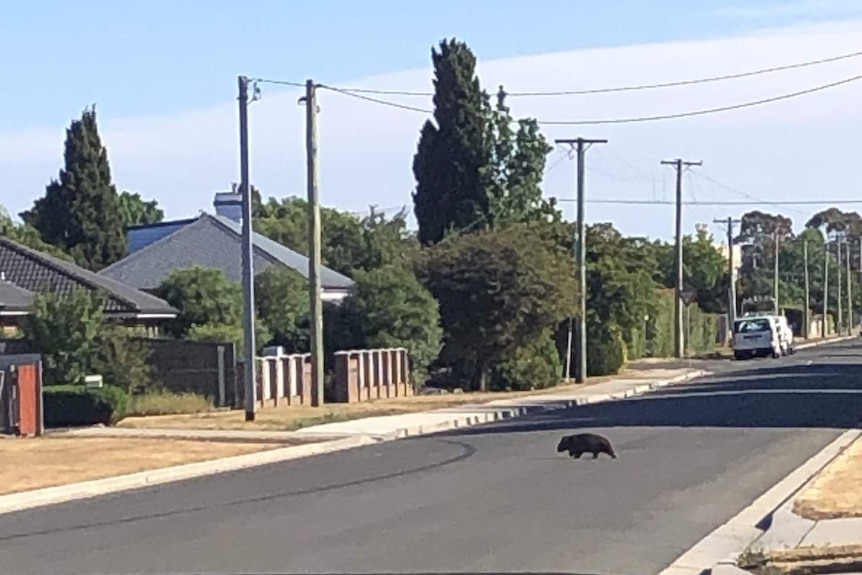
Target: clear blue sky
x,y
159,57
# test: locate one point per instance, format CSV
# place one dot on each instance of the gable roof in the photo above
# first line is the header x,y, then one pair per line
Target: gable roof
x,y
35,271
14,298
214,242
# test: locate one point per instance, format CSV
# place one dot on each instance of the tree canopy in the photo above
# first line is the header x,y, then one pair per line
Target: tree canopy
x,y
80,211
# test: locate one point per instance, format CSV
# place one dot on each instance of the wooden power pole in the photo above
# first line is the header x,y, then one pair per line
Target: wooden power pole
x,y
580,145
314,241
678,344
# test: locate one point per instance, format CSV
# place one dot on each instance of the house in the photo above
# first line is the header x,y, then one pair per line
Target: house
x,y
25,272
211,241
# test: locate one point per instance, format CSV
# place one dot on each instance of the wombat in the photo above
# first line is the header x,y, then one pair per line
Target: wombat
x,y
581,443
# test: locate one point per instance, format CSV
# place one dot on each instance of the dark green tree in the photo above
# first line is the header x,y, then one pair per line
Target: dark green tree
x,y
388,307
517,168
281,297
348,242
498,290
80,212
453,153
203,296
137,211
28,236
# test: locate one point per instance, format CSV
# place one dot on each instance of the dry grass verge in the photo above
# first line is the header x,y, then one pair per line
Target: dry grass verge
x,y
835,492
805,561
49,461
293,418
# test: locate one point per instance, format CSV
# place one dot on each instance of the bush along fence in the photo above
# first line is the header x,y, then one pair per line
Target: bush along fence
x,y
284,380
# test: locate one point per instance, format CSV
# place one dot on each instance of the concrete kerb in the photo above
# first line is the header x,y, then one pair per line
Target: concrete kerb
x,y
538,404
717,553
52,495
825,342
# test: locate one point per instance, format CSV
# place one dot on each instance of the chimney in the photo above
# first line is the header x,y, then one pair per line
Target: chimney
x,y
229,204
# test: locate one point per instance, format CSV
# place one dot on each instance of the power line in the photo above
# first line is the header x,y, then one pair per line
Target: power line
x,y
715,203
632,87
636,119
699,112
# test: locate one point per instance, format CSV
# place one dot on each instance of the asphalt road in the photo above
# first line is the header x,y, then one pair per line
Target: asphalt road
x,y
497,498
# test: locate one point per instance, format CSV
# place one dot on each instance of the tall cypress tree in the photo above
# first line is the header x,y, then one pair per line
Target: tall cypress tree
x,y
453,152
80,212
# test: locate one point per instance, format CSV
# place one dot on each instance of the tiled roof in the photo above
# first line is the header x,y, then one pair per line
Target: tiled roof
x,y
38,272
212,242
14,298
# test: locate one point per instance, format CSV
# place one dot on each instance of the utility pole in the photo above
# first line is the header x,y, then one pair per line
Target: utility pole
x,y
678,343
806,318
581,145
775,241
840,301
823,326
849,291
731,270
314,289
250,361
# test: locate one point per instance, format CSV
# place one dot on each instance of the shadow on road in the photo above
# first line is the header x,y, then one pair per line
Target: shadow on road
x,y
783,396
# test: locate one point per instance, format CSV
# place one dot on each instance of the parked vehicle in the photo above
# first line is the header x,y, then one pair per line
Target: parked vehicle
x,y
757,336
786,335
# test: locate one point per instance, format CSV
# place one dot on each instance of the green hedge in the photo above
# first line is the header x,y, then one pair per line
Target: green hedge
x,y
606,350
533,366
77,405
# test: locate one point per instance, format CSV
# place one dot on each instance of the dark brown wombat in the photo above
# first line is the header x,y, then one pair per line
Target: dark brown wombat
x,y
581,443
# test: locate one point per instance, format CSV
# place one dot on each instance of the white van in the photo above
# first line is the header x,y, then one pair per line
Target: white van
x,y
756,336
785,335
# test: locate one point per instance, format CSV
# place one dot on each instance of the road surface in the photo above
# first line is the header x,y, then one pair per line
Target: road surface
x,y
497,498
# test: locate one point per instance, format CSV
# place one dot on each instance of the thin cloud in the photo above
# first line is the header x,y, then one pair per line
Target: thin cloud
x,y
802,9
797,149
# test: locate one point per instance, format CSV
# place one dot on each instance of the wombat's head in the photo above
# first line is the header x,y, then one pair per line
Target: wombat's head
x,y
563,445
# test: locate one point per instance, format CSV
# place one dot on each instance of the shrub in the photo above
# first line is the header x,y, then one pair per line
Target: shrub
x,y
533,366
605,349
168,403
76,405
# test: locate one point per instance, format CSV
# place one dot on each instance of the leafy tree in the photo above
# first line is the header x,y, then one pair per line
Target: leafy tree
x,y
80,212
498,290
453,153
137,211
66,331
704,270
123,360
834,220
517,168
76,339
281,297
202,296
534,365
388,307
28,236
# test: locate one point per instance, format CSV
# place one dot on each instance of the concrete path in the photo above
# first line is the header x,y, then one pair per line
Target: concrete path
x,y
490,498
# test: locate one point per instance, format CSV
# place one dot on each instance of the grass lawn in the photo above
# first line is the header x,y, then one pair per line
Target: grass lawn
x,y
48,461
835,492
805,561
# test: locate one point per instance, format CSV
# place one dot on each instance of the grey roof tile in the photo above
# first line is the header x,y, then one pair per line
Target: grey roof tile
x,y
38,272
212,242
14,298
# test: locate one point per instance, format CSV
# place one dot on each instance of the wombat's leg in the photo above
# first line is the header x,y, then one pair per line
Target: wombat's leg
x,y
595,454
576,454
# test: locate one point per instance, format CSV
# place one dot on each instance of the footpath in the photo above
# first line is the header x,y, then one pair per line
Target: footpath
x,y
817,530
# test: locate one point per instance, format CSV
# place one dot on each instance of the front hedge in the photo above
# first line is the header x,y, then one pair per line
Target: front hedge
x,y
77,405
